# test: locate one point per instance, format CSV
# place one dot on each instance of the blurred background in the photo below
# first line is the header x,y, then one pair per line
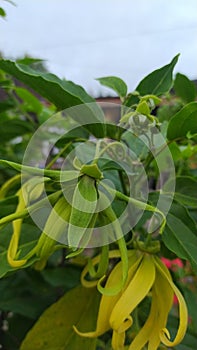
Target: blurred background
x,y
81,40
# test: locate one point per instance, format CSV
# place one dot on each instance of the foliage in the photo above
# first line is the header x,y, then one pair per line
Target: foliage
x,y
59,289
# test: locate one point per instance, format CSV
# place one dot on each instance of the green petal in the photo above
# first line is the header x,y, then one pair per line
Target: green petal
x,y
84,205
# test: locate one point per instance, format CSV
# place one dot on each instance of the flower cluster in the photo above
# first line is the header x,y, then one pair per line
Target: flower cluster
x,y
147,277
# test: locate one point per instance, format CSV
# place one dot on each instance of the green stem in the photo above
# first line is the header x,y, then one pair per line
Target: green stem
x,y
23,213
110,145
137,203
50,164
103,264
123,252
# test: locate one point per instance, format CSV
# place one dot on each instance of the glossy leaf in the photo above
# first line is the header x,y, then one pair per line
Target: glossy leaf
x,y
180,239
6,105
29,60
2,12
10,129
158,82
184,88
67,276
62,93
32,104
183,122
26,293
115,83
186,190
182,212
54,329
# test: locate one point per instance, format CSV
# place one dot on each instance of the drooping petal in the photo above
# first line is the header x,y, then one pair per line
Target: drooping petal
x,y
143,335
118,338
95,261
30,190
106,305
135,292
164,296
13,245
183,313
108,301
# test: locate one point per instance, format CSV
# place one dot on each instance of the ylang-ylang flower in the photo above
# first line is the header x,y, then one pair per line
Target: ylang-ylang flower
x,y
147,276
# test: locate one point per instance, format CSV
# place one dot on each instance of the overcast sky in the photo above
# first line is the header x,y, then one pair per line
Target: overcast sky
x,y
85,39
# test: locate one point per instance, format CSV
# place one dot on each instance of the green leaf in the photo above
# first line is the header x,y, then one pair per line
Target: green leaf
x,y
11,128
74,134
67,276
158,82
31,102
2,12
54,329
115,84
191,300
182,213
6,104
184,88
185,192
62,93
29,60
29,292
26,293
179,238
183,122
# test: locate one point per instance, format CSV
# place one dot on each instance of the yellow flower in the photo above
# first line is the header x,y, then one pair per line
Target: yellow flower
x,y
147,275
30,190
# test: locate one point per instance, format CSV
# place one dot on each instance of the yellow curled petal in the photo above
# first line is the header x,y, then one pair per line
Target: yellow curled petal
x,y
23,193
94,262
162,299
11,253
118,340
108,301
143,335
16,224
164,295
135,292
183,313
